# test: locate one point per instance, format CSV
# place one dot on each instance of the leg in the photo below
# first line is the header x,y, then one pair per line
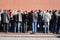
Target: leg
x,y
15,27
48,27
18,27
45,27
4,27
26,27
21,27
33,27
7,27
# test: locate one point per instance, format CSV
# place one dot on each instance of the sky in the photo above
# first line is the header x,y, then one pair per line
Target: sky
x,y
30,4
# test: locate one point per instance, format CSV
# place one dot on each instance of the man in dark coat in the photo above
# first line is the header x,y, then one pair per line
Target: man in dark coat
x,y
40,22
23,22
58,22
5,20
53,21
30,20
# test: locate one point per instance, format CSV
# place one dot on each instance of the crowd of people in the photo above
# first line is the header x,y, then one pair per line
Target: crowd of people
x,y
47,21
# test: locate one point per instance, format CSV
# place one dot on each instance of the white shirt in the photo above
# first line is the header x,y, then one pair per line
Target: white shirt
x,y
47,17
20,16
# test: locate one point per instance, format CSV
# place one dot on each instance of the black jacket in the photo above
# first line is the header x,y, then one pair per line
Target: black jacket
x,y
15,19
30,20
23,17
5,18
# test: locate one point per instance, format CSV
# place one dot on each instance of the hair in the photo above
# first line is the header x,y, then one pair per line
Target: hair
x,y
59,11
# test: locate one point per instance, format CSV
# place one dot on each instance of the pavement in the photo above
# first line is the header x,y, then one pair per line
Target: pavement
x,y
28,35
29,38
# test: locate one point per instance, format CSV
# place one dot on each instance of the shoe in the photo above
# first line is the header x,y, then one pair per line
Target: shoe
x,y
57,32
32,33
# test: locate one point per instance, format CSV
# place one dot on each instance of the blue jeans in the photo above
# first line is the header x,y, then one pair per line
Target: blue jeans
x,y
34,27
19,26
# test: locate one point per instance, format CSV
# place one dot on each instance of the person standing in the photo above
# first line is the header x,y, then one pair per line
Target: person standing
x,y
10,14
46,18
5,20
54,22
58,22
0,21
19,21
34,22
12,21
40,21
30,20
0,16
15,19
25,19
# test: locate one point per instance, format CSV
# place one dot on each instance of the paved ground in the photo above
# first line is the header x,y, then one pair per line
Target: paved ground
x,y
28,36
37,35
22,38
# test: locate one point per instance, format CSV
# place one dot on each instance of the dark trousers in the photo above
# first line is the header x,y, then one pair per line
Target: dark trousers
x,y
58,27
12,26
24,27
40,29
54,27
1,28
6,27
15,27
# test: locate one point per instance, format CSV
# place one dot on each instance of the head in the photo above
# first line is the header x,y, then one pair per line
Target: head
x,y
0,10
13,12
47,11
9,10
31,11
58,11
18,11
50,11
25,12
44,11
4,11
39,10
